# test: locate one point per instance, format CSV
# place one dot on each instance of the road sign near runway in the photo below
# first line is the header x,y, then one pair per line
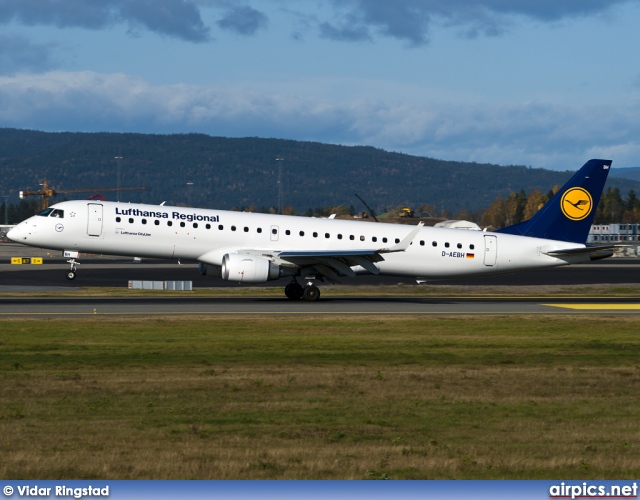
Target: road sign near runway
x,y
26,260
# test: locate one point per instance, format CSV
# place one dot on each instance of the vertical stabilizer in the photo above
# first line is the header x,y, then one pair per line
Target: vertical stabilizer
x,y
569,214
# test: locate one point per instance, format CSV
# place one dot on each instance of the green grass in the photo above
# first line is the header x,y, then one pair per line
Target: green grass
x,y
294,398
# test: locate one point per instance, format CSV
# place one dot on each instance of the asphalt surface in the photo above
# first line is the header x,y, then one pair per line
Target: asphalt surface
x,y
441,306
117,272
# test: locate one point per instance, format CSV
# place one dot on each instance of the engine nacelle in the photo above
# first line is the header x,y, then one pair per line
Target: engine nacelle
x,y
210,270
245,268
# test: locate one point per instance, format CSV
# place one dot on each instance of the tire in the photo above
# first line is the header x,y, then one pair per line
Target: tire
x,y
311,293
71,275
293,291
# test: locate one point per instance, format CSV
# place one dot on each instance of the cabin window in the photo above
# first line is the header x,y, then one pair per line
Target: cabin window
x,y
384,240
397,240
182,224
259,230
472,246
169,223
208,226
144,221
446,245
421,243
374,239
220,227
352,237
434,243
246,229
287,232
195,225
130,221
274,230
362,238
301,233
233,228
459,245
327,235
156,222
315,235
117,219
339,236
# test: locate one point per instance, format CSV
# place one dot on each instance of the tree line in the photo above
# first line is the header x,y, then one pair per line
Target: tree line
x,y
518,207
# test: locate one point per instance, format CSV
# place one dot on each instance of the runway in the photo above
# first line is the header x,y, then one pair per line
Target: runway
x,y
96,271
338,306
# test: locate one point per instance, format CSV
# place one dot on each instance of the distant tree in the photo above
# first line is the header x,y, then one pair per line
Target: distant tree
x,y
341,210
535,202
521,202
510,209
494,215
632,202
464,215
288,210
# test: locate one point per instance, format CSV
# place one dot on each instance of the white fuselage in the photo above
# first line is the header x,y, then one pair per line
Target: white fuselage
x,y
189,234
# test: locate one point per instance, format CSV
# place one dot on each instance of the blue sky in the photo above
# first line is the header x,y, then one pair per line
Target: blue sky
x,y
546,83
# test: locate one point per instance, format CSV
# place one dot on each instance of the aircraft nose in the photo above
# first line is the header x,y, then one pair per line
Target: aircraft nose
x,y
18,233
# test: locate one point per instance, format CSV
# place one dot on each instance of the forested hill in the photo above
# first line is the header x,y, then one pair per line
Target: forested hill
x,y
228,173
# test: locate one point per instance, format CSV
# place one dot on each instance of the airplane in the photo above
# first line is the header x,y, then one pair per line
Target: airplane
x,y
255,248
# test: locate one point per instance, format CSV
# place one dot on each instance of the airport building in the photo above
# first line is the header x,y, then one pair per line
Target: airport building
x,y
606,233
625,234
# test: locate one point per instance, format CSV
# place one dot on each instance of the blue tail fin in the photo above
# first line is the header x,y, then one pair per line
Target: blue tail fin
x,y
569,214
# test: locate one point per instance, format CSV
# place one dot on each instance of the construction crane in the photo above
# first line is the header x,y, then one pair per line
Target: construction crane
x,y
47,192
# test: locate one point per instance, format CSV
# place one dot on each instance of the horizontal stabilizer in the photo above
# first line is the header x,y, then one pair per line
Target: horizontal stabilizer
x,y
574,251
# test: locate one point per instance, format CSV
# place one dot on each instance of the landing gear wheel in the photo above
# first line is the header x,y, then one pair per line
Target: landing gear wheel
x,y
71,275
293,291
311,293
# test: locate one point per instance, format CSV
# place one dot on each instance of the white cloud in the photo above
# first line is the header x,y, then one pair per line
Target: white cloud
x,y
538,134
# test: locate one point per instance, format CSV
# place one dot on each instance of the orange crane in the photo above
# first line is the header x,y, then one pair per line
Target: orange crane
x,y
47,192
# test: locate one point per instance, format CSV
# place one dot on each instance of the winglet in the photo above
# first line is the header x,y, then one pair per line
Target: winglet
x,y
404,244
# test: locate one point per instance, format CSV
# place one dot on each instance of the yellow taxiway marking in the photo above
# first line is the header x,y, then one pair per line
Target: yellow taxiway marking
x,y
602,307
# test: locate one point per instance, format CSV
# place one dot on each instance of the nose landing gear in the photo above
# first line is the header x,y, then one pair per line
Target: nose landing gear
x,y
71,273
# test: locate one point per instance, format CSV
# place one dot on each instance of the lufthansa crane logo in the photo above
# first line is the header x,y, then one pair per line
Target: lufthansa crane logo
x,y
576,203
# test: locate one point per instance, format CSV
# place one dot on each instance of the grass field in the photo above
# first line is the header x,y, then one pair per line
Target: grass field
x,y
298,398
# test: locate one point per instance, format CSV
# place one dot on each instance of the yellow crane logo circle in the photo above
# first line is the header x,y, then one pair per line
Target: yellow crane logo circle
x,y
576,203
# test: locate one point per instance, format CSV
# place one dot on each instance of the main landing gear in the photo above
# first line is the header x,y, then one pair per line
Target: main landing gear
x,y
71,273
295,291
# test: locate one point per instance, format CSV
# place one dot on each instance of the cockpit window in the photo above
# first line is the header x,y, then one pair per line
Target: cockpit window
x,y
46,212
57,213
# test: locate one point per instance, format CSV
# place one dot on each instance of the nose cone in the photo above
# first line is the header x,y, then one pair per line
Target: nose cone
x,y
18,233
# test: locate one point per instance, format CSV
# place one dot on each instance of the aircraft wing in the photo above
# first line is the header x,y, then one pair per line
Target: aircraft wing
x,y
328,263
332,263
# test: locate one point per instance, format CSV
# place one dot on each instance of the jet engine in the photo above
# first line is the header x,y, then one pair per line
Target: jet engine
x,y
210,270
245,268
